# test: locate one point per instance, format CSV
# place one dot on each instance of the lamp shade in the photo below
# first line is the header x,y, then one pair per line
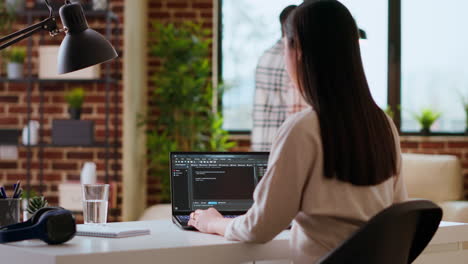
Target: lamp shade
x,y
82,47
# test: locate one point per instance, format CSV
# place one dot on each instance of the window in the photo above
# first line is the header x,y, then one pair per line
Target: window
x,y
433,60
372,17
250,27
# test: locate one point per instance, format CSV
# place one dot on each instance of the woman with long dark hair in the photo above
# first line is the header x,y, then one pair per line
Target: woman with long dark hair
x,y
333,166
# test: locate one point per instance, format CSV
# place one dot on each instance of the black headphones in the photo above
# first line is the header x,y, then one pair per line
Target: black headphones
x,y
53,225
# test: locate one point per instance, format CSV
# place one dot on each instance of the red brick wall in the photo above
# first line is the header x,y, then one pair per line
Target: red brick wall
x,y
61,164
173,11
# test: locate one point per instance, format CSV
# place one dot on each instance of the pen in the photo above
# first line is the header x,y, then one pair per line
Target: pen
x,y
2,190
19,193
17,187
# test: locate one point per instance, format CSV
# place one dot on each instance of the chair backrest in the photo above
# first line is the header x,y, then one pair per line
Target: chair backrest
x,y
397,235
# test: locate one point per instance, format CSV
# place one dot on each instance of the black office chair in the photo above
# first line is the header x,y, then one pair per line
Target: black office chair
x,y
397,235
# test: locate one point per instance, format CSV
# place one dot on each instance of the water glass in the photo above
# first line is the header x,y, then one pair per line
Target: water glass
x,y
95,203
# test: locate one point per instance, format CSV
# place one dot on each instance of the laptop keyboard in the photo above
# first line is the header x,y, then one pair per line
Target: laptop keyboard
x,y
186,218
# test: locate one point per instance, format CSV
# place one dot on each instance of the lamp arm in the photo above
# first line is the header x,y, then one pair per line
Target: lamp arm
x,y
48,24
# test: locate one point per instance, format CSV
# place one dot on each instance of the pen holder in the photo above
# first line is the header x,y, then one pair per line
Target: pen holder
x,y
9,211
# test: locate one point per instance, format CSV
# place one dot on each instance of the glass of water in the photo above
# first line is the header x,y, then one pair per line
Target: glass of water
x,y
95,203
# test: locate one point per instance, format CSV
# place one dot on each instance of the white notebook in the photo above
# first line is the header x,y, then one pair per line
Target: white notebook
x,y
109,231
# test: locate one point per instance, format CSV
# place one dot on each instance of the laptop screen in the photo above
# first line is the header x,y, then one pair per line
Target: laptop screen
x,y
225,180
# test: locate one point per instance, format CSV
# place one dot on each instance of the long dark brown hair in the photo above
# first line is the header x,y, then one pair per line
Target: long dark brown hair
x,y
358,143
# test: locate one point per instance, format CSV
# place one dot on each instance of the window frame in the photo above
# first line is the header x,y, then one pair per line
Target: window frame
x,y
393,69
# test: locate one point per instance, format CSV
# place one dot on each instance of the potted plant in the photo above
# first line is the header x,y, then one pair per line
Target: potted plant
x,y
426,119
7,16
35,203
15,5
26,196
75,99
182,97
73,131
15,57
389,111
465,106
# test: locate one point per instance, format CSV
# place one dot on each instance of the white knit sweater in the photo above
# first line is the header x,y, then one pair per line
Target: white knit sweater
x,y
325,211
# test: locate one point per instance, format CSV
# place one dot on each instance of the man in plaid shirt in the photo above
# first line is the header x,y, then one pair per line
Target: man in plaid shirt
x,y
275,96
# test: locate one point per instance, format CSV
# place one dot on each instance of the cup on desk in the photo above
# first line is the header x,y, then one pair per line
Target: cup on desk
x,y
10,211
95,203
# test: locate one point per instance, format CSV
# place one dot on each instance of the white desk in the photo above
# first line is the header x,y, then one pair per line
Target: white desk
x,y
168,244
449,245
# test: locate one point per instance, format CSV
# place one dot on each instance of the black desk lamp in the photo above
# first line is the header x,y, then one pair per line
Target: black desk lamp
x,y
82,47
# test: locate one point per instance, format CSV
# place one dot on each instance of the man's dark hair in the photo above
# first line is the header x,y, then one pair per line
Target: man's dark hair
x,y
285,13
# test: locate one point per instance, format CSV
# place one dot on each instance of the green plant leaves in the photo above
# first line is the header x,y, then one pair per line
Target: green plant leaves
x,y
389,111
16,54
36,203
75,97
7,16
427,117
464,101
181,116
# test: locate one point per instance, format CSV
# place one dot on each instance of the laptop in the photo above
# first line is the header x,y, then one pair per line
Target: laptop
x,y
223,180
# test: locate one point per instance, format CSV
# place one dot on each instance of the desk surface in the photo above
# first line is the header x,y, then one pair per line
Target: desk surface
x,y
169,244
166,244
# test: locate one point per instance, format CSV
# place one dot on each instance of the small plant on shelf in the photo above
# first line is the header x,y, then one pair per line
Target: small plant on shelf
x,y
15,5
17,54
15,57
75,99
389,111
7,17
26,196
426,119
464,101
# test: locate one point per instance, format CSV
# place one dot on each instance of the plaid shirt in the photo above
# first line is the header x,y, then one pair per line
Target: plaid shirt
x,y
275,97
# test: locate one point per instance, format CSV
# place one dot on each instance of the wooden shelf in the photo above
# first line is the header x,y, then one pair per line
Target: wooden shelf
x,y
37,80
434,134
42,11
96,145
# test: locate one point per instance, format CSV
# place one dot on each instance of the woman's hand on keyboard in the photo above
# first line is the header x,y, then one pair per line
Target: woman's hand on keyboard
x,y
207,221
